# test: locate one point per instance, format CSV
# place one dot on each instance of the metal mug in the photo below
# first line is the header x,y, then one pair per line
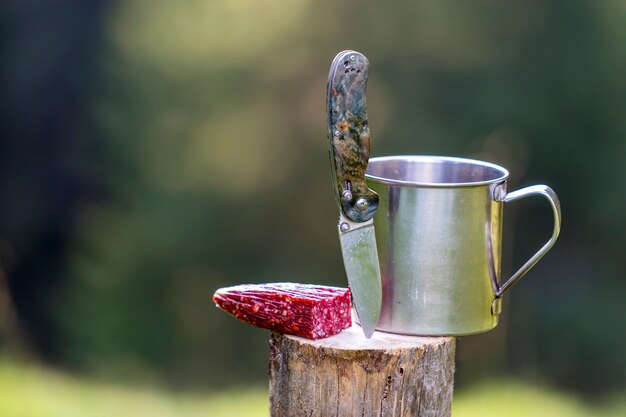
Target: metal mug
x,y
439,237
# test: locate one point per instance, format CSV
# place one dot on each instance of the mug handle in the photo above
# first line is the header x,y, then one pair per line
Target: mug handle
x,y
548,193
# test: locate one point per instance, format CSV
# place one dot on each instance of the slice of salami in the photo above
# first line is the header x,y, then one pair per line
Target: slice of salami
x,y
311,311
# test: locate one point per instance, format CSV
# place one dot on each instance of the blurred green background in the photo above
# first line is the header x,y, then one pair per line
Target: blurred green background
x,y
152,152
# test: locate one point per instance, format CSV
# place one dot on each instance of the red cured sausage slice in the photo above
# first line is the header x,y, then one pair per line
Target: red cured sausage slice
x,y
311,311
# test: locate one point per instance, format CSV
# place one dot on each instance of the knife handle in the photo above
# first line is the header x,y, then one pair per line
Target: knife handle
x,y
349,135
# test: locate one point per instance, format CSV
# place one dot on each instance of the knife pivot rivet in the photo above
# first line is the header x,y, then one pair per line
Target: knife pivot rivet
x,y
352,57
361,204
344,227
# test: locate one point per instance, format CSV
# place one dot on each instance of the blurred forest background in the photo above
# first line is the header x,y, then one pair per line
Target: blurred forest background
x,y
151,152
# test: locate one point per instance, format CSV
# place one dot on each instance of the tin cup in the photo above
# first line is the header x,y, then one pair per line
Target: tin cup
x,y
439,237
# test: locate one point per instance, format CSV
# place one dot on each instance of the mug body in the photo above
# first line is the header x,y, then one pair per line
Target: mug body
x,y
439,234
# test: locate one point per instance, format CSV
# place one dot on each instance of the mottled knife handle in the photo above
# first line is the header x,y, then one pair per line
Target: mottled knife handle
x,y
349,135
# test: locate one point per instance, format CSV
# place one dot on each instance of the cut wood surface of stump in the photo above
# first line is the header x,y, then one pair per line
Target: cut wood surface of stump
x,y
347,375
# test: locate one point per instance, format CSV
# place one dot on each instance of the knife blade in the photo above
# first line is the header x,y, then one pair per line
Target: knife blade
x,y
349,149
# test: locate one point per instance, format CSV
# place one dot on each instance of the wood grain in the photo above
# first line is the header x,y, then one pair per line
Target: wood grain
x,y
348,375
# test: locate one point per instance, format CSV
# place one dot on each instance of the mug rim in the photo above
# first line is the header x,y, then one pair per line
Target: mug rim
x,y
504,173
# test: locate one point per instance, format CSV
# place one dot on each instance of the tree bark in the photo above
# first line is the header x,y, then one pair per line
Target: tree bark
x,y
348,375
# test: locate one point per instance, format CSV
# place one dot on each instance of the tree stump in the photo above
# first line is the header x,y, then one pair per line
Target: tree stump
x,y
348,375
